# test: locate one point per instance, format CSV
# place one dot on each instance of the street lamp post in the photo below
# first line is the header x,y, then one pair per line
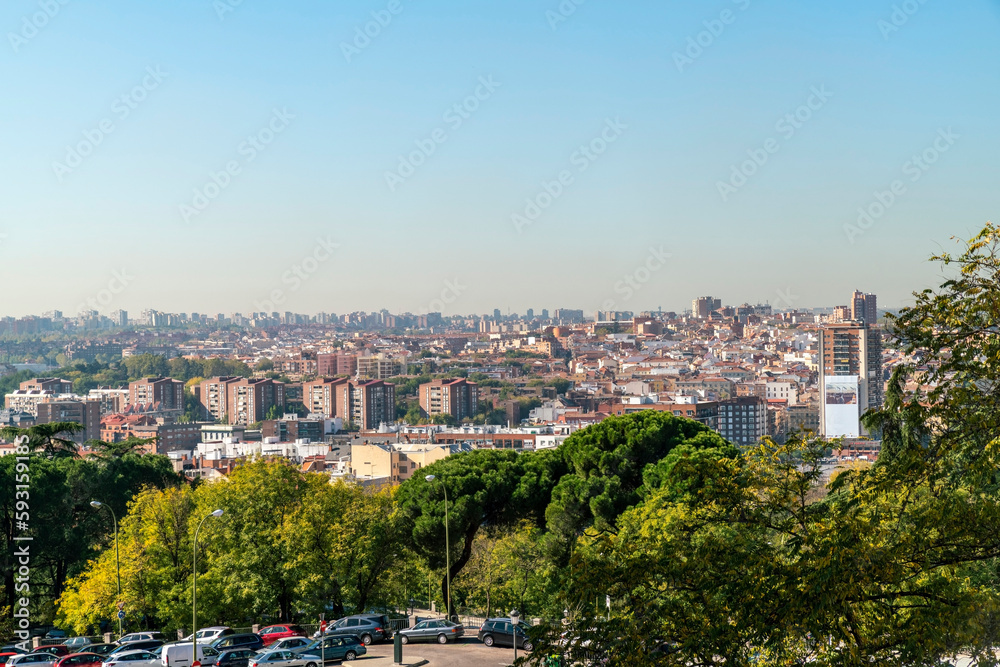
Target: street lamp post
x,y
118,567
194,592
447,544
515,616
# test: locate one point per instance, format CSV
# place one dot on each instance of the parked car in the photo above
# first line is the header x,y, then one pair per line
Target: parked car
x,y
234,657
12,648
208,634
101,649
139,637
290,643
369,627
77,642
440,631
6,656
273,633
500,632
55,649
80,660
284,659
345,647
131,659
37,659
144,645
246,640
55,633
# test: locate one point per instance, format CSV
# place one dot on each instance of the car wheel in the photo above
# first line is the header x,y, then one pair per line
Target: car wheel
x,y
404,639
528,646
350,655
366,640
488,640
310,664
442,639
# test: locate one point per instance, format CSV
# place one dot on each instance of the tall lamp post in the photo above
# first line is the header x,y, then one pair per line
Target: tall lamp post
x,y
447,543
98,505
515,616
194,592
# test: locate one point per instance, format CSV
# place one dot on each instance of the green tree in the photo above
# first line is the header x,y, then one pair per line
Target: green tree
x,y
146,365
606,465
479,484
45,438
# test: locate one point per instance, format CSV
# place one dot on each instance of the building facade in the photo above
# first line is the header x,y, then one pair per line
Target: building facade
x,y
456,397
320,396
366,404
743,420
850,376
83,411
168,392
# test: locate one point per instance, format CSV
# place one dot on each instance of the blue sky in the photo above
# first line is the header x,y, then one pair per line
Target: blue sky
x,y
225,68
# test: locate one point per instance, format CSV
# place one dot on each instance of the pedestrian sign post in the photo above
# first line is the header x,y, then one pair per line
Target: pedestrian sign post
x,y
121,614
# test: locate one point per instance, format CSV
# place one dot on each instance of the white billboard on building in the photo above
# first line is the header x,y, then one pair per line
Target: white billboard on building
x,y
841,406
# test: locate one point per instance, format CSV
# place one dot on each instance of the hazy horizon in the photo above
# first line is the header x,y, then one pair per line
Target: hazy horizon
x,y
289,124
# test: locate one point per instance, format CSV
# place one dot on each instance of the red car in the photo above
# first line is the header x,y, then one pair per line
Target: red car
x,y
4,657
54,649
79,660
273,633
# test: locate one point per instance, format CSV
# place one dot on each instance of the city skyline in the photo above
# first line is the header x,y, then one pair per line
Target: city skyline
x,y
218,152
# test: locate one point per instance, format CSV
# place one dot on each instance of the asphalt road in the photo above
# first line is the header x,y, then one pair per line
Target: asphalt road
x,y
467,652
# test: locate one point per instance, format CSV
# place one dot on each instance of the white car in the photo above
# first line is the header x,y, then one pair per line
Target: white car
x,y
208,634
132,659
282,659
34,659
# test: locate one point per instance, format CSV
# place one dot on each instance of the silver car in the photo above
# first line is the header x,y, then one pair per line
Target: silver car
x,y
37,659
289,644
283,659
440,631
132,659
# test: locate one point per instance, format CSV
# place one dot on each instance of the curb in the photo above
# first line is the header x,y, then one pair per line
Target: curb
x,y
420,663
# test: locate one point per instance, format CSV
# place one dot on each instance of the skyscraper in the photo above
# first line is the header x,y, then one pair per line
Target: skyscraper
x,y
864,308
703,306
850,376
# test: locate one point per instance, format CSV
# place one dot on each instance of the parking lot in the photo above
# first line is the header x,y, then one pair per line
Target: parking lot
x,y
467,652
